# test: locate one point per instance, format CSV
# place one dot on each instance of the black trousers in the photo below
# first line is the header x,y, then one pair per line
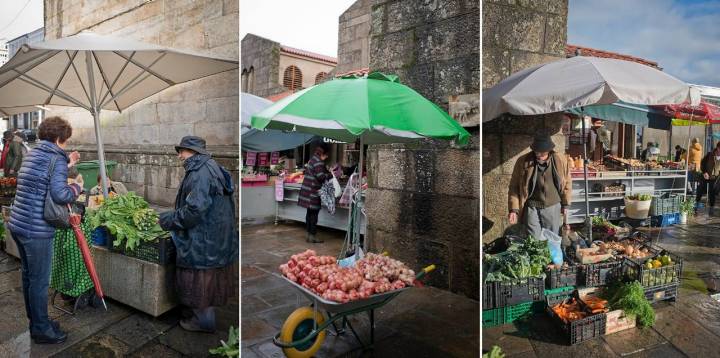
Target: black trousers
x,y
703,187
311,219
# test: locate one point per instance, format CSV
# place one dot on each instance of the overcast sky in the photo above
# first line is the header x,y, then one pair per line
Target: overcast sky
x,y
682,36
30,19
308,25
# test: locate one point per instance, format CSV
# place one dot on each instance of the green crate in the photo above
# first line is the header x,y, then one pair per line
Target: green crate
x,y
553,291
499,316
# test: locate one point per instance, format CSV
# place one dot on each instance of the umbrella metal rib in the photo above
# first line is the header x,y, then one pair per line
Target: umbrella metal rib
x,y
133,82
122,70
57,84
102,74
18,73
147,69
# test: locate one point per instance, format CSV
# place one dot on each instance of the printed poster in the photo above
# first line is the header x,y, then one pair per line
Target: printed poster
x,y
263,160
251,159
274,158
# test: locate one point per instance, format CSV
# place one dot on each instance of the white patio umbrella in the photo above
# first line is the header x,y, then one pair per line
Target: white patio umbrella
x,y
97,72
583,81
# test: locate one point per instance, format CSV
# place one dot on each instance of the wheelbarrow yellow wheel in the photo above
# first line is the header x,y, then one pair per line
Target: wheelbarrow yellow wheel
x,y
299,325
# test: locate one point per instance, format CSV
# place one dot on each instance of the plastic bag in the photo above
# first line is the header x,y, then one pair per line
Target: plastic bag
x,y
554,244
336,185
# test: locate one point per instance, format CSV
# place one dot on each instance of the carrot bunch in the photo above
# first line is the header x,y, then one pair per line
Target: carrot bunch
x,y
595,304
569,310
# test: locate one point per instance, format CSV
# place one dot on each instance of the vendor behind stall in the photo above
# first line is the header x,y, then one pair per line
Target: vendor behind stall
x,y
599,140
646,152
540,188
113,187
710,167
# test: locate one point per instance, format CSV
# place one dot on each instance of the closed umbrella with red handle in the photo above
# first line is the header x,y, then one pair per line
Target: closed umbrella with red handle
x,y
75,220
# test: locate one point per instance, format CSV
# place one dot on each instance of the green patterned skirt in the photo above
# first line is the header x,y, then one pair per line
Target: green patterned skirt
x,y
69,275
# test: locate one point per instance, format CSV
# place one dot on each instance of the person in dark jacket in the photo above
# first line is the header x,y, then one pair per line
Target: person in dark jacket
x,y
14,158
32,234
315,175
204,230
710,167
7,138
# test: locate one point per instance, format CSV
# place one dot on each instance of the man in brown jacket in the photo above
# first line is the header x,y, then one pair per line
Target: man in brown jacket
x,y
540,188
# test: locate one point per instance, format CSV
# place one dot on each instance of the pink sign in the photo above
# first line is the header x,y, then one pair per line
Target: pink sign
x,y
274,158
263,159
279,188
251,159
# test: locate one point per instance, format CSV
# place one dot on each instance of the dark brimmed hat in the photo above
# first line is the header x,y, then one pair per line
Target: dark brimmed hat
x,y
196,144
542,143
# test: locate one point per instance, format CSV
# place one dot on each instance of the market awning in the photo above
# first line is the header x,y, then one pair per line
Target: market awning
x,y
635,114
273,140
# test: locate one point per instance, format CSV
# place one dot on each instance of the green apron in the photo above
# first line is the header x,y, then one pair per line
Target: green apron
x,y
69,275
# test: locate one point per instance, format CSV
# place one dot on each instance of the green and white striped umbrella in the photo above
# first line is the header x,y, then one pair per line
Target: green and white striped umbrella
x,y
377,109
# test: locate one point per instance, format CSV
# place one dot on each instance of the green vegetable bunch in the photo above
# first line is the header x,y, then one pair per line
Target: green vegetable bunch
x,y
145,219
232,347
128,218
521,260
630,297
495,352
640,197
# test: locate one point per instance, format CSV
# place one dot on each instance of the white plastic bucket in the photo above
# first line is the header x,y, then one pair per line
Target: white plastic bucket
x,y
636,209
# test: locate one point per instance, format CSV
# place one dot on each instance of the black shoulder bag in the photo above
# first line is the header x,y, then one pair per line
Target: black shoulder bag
x,y
56,215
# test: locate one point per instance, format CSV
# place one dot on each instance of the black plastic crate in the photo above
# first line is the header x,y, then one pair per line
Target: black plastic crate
x,y
580,330
654,277
160,251
662,293
502,294
601,273
563,277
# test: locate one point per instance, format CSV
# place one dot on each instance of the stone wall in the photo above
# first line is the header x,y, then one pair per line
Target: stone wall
x,y
141,137
353,37
263,56
423,200
516,35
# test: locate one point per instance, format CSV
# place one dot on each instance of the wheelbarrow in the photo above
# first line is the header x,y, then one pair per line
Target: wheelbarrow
x,y
304,330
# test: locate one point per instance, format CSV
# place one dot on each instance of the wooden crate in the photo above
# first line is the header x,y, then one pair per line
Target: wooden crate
x,y
617,321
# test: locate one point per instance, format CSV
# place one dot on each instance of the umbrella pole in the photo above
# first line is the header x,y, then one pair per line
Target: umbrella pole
x,y
585,177
96,120
358,214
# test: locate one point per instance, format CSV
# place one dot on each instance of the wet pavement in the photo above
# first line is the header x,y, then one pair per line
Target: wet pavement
x,y
120,332
689,327
420,322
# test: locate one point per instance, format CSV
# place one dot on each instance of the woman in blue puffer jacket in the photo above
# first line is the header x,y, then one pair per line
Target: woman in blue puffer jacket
x,y
29,229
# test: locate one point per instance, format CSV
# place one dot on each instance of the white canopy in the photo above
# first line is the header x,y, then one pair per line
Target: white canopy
x,y
97,72
124,72
583,81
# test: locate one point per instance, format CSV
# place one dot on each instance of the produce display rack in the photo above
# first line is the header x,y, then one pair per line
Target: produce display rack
x,y
580,330
666,204
662,293
665,220
288,209
611,204
502,294
599,274
655,277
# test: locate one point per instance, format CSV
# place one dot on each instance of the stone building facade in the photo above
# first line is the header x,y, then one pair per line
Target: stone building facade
x,y
516,35
141,138
422,203
269,68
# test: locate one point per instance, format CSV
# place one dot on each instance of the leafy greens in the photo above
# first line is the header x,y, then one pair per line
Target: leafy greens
x,y
128,218
520,260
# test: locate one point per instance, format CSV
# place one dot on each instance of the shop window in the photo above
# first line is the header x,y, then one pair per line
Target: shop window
x,y
320,77
292,79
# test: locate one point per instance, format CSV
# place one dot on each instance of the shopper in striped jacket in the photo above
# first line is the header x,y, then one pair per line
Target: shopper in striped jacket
x,y
315,175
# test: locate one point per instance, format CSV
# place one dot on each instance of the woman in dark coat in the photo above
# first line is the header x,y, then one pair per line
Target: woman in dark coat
x,y
28,227
204,230
315,175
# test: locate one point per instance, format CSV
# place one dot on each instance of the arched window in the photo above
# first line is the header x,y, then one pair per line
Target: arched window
x,y
244,83
320,77
251,80
292,79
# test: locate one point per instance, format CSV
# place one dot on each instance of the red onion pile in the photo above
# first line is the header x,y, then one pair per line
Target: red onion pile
x,y
371,275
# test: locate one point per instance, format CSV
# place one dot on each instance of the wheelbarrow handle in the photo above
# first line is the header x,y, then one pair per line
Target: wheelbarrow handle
x,y
425,271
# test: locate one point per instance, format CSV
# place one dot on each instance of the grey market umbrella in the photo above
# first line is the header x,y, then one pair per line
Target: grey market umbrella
x,y
97,72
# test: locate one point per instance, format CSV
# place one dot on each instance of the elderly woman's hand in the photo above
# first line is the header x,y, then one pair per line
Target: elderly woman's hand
x,y
74,158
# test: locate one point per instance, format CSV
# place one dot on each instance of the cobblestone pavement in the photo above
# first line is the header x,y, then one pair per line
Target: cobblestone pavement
x,y
689,327
421,322
120,332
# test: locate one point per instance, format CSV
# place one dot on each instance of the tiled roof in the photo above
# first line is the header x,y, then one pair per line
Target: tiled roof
x,y
358,72
570,51
279,96
309,54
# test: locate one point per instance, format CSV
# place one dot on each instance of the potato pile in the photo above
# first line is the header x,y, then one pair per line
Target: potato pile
x,y
372,275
